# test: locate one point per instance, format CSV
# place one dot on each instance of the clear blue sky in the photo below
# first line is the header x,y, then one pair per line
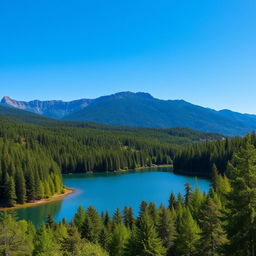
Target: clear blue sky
x,y
202,51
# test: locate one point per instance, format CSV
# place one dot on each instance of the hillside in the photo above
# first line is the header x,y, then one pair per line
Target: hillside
x,y
142,110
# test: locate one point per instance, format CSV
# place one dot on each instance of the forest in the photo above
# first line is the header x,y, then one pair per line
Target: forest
x,y
222,222
32,156
197,159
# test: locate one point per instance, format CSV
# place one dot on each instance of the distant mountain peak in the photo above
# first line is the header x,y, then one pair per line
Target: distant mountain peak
x,y
129,93
6,99
51,108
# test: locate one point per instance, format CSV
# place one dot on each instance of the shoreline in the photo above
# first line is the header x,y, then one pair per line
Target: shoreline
x,y
69,191
56,197
145,167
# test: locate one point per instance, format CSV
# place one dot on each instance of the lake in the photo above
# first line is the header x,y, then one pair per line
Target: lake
x,y
107,191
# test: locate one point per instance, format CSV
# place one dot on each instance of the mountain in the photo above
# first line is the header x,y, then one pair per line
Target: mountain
x,y
23,116
142,110
53,108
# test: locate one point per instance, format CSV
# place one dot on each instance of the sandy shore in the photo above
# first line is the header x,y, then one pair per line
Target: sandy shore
x,y
53,198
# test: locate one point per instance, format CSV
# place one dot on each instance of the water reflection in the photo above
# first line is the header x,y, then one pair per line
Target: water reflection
x,y
38,214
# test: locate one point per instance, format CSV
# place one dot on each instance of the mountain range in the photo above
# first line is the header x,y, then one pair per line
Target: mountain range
x,y
140,110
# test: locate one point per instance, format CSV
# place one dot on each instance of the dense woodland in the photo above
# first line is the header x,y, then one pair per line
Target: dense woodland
x,y
222,222
26,174
32,157
198,158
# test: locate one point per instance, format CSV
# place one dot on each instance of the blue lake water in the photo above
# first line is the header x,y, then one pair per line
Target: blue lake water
x,y
107,191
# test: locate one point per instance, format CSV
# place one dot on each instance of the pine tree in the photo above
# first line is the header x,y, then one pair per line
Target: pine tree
x,y
92,225
166,227
107,221
9,192
41,190
147,241
128,217
50,221
79,217
188,236
153,212
70,245
20,186
87,230
15,238
213,236
172,201
30,185
214,177
45,243
242,203
104,238
118,241
117,217
188,193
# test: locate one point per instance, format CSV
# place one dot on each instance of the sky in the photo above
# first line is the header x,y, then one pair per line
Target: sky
x,y
202,51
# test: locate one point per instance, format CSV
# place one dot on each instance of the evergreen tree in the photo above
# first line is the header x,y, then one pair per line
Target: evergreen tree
x,y
71,244
128,217
104,238
242,203
20,186
188,193
172,201
213,236
147,241
79,217
50,222
45,243
9,192
30,185
153,212
92,225
117,217
166,227
15,236
214,177
188,236
118,241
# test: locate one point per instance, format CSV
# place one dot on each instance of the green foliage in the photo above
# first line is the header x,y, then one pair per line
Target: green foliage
x,y
118,240
188,234
213,236
79,218
198,159
45,243
147,242
24,171
15,236
241,204
33,157
91,226
166,227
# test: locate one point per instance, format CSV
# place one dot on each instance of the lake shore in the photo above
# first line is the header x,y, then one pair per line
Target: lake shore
x,y
146,167
53,198
69,191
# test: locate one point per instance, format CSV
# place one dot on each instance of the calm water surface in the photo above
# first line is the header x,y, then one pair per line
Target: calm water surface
x,y
108,191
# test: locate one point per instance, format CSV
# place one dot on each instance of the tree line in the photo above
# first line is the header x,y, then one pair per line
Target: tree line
x,y
33,157
25,174
198,158
222,222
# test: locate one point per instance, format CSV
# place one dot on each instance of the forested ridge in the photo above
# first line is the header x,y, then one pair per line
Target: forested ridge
x,y
32,156
198,158
27,173
219,223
